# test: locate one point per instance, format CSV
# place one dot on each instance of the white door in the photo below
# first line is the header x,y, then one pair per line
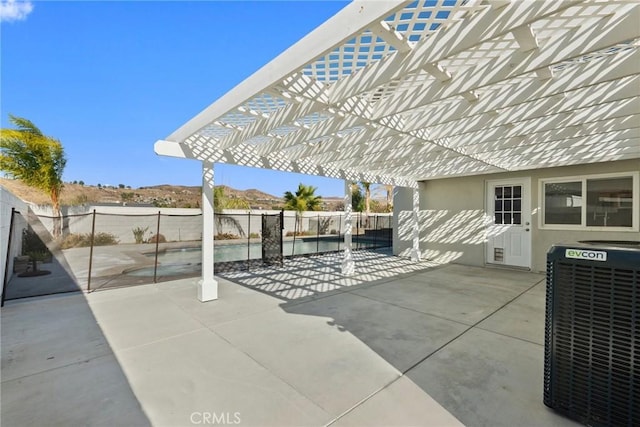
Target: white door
x,y
509,222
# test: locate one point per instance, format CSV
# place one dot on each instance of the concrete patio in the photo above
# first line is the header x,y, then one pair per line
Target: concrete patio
x,y
396,344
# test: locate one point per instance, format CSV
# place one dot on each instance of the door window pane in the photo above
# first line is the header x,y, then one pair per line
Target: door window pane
x,y
563,203
517,205
517,191
517,218
507,205
610,202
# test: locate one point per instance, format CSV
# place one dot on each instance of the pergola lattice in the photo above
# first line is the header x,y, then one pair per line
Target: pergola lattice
x,y
397,92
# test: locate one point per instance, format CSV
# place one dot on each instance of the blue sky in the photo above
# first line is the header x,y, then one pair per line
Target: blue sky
x,y
108,79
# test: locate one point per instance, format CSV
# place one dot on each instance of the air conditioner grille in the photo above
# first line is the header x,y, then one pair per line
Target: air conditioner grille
x,y
591,342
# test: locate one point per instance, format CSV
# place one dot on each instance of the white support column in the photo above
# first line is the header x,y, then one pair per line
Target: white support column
x,y
207,286
348,264
415,227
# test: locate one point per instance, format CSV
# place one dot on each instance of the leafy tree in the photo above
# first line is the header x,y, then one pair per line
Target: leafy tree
x,y
303,200
121,186
35,159
81,183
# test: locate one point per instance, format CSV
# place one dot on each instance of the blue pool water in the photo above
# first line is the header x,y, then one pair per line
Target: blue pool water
x,y
176,262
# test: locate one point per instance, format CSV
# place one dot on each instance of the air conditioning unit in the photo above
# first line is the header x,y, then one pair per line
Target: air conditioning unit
x,y
592,332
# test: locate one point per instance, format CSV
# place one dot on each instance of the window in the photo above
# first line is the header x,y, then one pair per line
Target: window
x,y
609,202
508,204
563,203
604,201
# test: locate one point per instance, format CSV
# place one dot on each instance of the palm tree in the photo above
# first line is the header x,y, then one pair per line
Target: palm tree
x,y
367,199
304,199
367,196
389,189
221,202
35,159
357,199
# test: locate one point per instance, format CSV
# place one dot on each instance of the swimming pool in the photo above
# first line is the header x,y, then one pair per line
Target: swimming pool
x,y
187,261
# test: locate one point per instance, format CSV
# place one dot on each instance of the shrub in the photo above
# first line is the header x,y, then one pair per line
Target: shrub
x,y
104,239
81,240
226,236
157,237
254,235
300,233
75,240
80,199
138,234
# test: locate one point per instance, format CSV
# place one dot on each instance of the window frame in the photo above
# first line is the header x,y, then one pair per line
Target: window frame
x,y
635,209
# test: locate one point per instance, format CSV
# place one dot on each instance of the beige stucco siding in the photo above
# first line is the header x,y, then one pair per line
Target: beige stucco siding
x,y
452,215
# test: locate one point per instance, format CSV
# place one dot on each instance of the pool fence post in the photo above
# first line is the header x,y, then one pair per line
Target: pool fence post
x,y
358,227
415,225
155,264
295,231
375,232
6,264
93,235
281,240
249,240
318,236
339,230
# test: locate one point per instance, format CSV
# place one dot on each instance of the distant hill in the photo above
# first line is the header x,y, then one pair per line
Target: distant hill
x,y
165,195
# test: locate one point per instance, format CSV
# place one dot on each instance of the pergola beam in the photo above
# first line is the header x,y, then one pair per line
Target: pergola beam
x,y
541,111
491,73
481,127
203,150
580,77
525,38
390,36
492,84
593,38
499,142
354,18
471,31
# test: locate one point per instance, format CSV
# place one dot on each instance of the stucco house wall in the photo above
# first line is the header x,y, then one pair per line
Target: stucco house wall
x,y
453,217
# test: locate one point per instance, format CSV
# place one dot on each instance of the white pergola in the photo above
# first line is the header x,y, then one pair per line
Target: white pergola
x,y
397,92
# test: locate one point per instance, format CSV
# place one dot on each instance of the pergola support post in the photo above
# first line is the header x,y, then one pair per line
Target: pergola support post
x,y
348,264
415,226
208,285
